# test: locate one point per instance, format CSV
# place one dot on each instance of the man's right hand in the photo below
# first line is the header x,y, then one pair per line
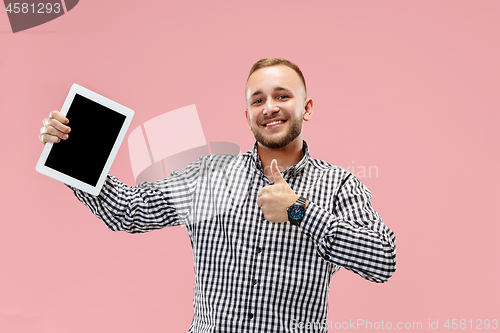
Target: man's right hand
x,y
53,129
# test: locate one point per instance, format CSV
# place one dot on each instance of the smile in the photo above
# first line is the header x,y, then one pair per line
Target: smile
x,y
275,123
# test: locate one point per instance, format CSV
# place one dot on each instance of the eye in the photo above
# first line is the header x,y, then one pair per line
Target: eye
x,y
257,101
283,97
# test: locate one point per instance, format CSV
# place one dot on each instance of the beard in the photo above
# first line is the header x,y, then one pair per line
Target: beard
x,y
292,134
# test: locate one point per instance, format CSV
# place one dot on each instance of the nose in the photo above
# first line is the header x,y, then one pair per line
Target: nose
x,y
270,107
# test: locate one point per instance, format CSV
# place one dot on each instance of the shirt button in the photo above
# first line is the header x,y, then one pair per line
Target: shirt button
x,y
254,282
258,250
250,315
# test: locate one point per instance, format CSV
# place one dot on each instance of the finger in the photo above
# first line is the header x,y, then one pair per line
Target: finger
x,y
52,131
262,191
56,124
271,177
58,116
48,138
278,178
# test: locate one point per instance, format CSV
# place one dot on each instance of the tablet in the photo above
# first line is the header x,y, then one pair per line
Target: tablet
x,y
98,126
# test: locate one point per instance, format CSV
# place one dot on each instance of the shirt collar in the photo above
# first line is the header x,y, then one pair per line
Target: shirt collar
x,y
293,170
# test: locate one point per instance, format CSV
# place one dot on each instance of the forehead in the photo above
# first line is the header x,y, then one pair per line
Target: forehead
x,y
268,78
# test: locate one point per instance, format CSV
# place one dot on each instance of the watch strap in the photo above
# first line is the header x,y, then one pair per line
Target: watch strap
x,y
301,201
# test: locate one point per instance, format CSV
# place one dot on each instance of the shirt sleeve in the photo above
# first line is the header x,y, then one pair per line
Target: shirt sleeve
x,y
353,235
145,207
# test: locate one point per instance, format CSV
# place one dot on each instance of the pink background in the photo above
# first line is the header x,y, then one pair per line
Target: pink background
x,y
410,87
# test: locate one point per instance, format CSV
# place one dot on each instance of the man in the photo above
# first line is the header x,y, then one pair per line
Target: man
x,y
265,243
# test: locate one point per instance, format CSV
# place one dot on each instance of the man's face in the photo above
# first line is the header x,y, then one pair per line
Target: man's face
x,y
276,101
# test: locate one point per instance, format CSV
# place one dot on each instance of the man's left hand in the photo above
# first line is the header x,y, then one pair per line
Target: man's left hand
x,y
276,198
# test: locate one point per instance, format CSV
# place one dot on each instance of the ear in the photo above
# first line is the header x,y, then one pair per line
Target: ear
x,y
248,118
308,109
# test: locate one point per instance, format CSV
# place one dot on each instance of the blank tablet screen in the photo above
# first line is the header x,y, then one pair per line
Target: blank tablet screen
x,y
94,130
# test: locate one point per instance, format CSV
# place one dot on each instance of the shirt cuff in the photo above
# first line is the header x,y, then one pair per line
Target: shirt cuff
x,y
81,195
322,226
315,222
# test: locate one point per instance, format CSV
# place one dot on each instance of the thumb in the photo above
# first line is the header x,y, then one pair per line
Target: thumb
x,y
276,174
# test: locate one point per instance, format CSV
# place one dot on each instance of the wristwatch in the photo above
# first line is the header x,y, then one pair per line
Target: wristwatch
x,y
296,211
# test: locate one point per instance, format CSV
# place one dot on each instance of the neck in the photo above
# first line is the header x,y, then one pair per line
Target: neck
x,y
286,156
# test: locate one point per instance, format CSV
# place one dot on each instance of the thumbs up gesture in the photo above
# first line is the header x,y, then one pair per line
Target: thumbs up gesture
x,y
276,198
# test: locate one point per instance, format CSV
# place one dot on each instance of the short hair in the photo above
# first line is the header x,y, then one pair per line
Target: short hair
x,y
270,61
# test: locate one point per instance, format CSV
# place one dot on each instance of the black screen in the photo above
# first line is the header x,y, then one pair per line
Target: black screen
x,y
94,130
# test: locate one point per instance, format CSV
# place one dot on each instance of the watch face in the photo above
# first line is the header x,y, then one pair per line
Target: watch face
x,y
296,212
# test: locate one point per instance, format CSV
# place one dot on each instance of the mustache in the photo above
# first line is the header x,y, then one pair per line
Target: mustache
x,y
275,116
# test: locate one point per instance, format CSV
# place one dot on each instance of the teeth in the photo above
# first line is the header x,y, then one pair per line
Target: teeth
x,y
274,123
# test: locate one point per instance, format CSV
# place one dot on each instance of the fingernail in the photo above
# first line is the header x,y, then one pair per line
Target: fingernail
x,y
65,136
69,130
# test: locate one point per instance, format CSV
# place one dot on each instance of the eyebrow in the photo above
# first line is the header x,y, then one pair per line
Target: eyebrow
x,y
275,89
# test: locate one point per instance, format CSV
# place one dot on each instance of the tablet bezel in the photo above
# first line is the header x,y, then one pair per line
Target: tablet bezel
x,y
128,113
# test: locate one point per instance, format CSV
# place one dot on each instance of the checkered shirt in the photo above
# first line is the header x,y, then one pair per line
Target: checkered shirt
x,y
252,275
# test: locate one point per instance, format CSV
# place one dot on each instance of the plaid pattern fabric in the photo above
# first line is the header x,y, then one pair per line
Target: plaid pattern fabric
x,y
253,275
